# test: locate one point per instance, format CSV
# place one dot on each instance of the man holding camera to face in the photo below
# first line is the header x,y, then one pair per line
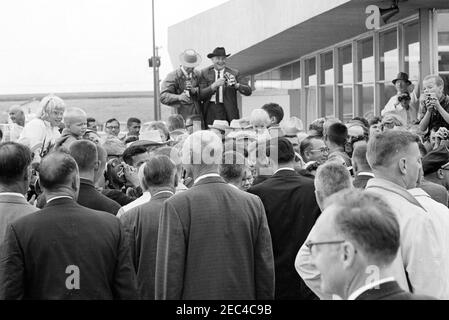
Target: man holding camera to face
x,y
218,89
434,104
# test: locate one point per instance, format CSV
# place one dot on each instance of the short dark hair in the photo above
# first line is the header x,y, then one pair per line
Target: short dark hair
x,y
284,148
369,221
175,122
274,110
132,151
85,154
374,121
232,166
57,170
90,119
337,133
383,147
15,158
158,171
1,135
318,126
132,120
111,120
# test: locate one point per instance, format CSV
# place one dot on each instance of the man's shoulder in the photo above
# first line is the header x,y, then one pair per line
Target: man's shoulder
x,y
206,70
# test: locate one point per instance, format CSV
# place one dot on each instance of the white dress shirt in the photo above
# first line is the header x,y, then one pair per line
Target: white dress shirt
x,y
284,169
369,286
60,197
15,194
220,89
144,198
204,176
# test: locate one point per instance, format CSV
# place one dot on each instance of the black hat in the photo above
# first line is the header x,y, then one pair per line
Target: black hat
x,y
284,149
435,160
218,52
402,76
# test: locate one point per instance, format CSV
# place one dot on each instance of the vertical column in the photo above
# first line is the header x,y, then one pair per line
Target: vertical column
x,y
355,87
426,32
338,108
376,52
303,104
319,106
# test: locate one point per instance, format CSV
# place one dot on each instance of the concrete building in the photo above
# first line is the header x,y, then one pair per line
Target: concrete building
x,y
317,58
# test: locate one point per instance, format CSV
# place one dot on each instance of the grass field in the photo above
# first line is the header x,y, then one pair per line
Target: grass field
x,y
103,108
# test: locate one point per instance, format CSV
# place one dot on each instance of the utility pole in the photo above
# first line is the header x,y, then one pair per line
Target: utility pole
x,y
155,63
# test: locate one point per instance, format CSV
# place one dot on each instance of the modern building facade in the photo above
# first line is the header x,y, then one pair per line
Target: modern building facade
x,y
317,58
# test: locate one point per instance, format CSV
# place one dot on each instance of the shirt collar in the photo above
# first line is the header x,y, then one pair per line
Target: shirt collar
x,y
15,194
234,186
392,187
369,174
204,176
184,72
161,192
284,169
60,197
369,286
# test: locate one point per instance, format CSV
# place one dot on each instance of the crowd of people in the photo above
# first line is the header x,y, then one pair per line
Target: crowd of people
x,y
209,205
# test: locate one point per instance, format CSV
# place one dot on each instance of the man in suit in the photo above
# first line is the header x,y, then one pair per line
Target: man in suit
x,y
354,243
15,173
86,156
218,89
213,242
291,209
158,176
180,89
65,251
362,170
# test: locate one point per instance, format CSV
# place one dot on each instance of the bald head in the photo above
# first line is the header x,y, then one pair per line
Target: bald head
x,y
17,115
59,171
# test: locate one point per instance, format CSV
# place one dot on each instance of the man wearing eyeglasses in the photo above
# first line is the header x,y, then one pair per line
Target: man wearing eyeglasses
x,y
355,241
112,127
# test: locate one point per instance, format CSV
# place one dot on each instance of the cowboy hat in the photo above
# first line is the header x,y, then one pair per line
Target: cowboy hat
x,y
402,76
190,58
149,138
218,52
222,125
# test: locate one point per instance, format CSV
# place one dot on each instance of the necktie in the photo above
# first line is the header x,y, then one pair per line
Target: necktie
x,y
217,96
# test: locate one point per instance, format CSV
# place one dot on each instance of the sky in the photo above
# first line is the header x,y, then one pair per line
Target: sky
x,y
54,46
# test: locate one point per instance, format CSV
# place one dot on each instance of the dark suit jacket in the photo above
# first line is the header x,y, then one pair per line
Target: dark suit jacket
x,y
214,243
43,250
361,181
390,291
229,93
89,197
291,209
142,225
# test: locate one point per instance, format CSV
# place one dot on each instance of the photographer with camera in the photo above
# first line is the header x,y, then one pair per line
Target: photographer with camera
x,y
218,89
180,89
404,103
434,104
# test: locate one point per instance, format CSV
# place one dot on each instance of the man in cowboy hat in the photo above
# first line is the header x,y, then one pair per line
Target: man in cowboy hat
x,y
180,89
219,86
404,104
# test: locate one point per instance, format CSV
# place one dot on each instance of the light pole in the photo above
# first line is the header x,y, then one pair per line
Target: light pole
x,y
157,106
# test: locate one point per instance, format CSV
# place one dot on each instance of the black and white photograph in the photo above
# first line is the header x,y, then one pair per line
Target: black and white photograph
x,y
228,157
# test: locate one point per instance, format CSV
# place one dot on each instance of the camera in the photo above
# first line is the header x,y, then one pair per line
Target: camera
x,y
230,79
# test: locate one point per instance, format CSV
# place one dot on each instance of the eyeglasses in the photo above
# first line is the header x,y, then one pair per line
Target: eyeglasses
x,y
309,244
112,127
322,150
189,125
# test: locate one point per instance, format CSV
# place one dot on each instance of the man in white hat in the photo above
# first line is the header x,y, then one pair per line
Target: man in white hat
x,y
180,89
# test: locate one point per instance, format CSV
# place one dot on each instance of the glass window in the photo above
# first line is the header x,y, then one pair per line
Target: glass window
x,y
327,84
310,90
389,58
345,81
411,50
443,47
366,100
365,60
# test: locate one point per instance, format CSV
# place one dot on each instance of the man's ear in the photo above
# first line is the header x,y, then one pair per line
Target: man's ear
x,y
348,254
97,165
440,174
403,165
